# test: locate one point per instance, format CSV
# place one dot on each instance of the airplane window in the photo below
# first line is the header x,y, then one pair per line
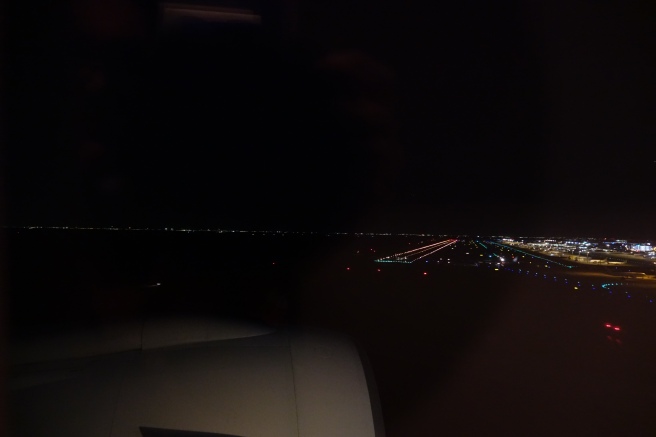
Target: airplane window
x,y
465,190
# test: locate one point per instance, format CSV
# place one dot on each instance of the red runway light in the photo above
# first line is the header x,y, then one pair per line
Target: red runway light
x,y
425,273
348,268
617,328
608,325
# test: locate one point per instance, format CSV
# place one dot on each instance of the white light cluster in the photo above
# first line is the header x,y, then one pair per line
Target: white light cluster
x,y
402,256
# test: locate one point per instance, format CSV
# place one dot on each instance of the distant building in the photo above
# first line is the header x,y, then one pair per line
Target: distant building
x,y
642,247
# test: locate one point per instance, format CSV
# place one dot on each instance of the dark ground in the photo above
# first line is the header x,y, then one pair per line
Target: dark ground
x,y
459,351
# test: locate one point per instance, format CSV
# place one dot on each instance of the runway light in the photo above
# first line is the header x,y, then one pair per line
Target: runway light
x,y
608,325
617,328
348,268
425,273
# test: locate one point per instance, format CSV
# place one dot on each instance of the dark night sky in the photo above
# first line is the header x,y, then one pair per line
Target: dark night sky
x,y
508,117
